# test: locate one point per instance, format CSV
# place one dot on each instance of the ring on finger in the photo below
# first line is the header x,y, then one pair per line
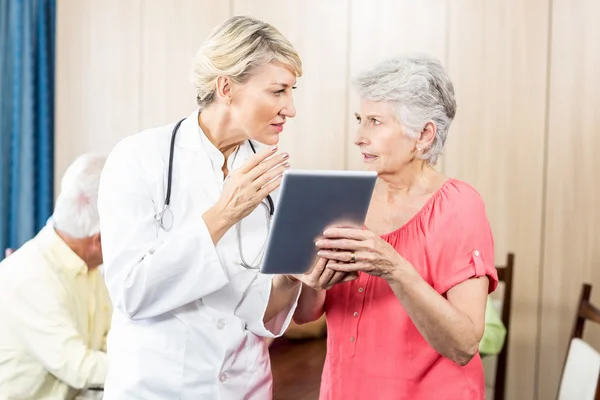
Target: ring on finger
x,y
353,257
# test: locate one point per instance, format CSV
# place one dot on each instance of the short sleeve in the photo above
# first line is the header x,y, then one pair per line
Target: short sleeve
x,y
464,246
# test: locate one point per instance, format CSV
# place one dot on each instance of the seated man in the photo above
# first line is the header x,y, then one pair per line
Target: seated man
x,y
54,307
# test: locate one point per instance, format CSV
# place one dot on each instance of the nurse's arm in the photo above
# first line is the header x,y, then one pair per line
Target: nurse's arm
x,y
147,275
310,305
284,291
216,224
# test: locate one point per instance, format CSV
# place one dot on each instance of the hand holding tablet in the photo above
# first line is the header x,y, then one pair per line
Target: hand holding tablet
x,y
310,202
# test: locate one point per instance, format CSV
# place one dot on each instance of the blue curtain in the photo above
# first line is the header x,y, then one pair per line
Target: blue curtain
x,y
27,30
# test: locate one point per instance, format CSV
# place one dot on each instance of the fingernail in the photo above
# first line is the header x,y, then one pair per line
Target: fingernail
x,y
286,165
273,148
285,155
317,243
320,253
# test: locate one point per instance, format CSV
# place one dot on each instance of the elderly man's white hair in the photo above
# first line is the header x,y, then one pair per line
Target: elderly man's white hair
x,y
76,209
420,91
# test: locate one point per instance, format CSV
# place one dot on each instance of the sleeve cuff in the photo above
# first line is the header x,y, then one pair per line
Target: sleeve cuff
x,y
475,269
278,325
254,307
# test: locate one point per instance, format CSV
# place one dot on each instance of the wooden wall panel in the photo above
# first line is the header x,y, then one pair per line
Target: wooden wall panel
x,y
97,77
389,28
572,227
172,33
497,59
318,31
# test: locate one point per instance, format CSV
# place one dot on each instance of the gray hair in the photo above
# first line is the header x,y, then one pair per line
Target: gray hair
x,y
420,91
76,210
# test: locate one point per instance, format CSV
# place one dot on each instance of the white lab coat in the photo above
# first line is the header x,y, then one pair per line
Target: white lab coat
x,y
187,320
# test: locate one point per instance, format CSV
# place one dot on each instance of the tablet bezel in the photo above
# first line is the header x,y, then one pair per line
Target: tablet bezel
x,y
363,178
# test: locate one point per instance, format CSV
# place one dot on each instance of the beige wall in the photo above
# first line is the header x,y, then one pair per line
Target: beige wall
x,y
571,228
528,103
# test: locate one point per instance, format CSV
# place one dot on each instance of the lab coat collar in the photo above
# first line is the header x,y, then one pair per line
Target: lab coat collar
x,y
190,135
59,253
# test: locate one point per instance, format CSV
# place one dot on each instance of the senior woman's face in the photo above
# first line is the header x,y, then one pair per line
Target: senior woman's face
x,y
381,138
261,105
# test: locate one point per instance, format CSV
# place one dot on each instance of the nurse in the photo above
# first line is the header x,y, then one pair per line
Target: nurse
x,y
190,307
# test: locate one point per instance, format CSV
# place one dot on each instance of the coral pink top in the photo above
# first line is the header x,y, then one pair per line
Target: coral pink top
x,y
374,351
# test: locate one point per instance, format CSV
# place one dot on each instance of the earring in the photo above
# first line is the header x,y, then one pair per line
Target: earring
x,y
418,148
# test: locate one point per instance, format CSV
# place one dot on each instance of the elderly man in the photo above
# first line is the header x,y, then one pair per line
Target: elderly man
x,y
54,308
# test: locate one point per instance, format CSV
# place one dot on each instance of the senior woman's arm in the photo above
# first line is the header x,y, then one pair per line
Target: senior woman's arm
x,y
454,325
451,323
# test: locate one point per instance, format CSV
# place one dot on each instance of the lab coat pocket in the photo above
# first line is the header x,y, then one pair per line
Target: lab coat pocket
x,y
163,349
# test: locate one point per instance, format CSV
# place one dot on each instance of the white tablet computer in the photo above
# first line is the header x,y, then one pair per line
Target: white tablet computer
x,y
309,202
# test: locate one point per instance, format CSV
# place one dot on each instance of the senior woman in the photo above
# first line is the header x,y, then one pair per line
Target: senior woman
x,y
191,308
409,326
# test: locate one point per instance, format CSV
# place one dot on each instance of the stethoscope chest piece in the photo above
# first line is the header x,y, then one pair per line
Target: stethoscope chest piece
x,y
165,218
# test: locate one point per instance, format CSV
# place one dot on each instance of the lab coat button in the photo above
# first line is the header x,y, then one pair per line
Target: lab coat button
x,y
220,324
223,378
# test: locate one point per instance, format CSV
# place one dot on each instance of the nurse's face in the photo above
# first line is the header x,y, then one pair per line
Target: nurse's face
x,y
260,106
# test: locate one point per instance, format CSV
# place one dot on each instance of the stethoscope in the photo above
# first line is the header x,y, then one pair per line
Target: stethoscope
x,y
165,219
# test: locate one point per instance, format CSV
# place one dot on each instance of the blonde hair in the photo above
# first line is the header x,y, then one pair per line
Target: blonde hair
x,y
235,49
